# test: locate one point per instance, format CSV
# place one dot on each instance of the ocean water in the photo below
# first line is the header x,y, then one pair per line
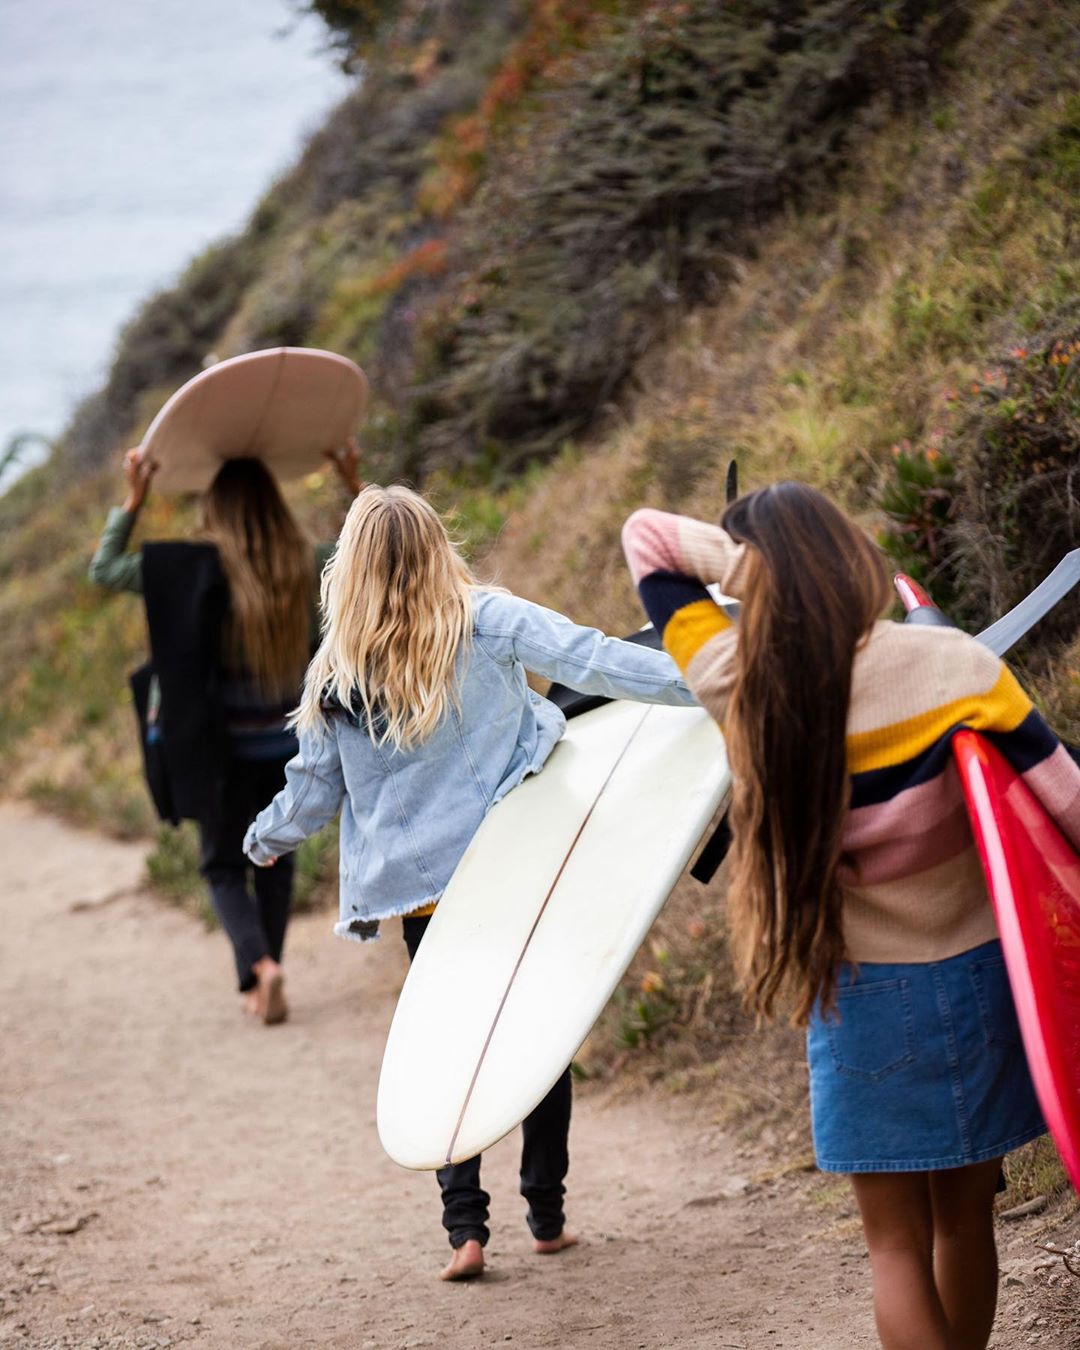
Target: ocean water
x,y
132,134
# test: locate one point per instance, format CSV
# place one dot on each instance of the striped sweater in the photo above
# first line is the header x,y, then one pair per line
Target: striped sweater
x,y
913,886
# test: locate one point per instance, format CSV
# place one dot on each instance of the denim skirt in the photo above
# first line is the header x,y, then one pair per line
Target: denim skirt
x,y
920,1067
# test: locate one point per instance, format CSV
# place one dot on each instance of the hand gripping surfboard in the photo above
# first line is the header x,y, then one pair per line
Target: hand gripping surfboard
x,y
1033,876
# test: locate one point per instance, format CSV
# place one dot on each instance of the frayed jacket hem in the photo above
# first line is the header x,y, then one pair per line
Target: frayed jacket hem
x,y
365,928
358,930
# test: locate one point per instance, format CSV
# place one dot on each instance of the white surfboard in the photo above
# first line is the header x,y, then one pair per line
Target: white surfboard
x,y
286,406
541,919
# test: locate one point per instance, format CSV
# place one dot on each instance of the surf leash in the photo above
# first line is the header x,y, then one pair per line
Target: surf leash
x,y
532,931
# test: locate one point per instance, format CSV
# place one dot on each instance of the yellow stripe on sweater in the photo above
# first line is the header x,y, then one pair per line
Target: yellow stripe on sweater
x,y
1002,708
689,628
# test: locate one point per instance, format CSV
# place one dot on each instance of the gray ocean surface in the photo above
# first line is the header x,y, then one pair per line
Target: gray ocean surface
x,y
132,134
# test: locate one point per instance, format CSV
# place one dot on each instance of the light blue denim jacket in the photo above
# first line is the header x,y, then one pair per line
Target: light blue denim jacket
x,y
407,816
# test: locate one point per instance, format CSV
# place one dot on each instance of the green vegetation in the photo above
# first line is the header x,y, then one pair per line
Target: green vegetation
x,y
920,502
986,510
163,346
683,131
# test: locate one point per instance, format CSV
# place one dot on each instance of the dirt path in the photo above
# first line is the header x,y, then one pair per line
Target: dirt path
x,y
171,1174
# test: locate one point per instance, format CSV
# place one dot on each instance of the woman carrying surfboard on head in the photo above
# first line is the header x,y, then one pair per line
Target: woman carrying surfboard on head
x,y
415,719
856,897
232,625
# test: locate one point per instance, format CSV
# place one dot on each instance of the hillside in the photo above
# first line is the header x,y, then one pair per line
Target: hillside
x,y
588,252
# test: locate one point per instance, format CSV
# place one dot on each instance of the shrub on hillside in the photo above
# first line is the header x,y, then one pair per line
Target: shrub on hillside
x,y
699,122
991,503
1019,510
359,27
353,23
919,499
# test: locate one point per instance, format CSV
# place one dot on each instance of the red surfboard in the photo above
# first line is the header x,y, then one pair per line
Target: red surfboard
x,y
1033,876
1034,880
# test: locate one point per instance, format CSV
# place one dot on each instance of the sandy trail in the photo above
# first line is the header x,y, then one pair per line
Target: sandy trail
x,y
225,1185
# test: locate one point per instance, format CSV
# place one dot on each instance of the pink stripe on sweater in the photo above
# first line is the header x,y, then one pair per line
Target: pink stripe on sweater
x,y
1054,782
915,810
918,828
905,855
650,541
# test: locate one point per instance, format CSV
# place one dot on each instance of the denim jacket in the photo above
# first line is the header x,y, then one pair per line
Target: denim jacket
x,y
407,816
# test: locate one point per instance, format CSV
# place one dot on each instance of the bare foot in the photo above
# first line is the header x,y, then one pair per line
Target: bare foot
x,y
466,1263
269,993
549,1248
250,1003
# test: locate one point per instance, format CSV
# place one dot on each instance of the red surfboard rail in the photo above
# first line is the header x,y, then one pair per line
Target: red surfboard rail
x,y
1033,876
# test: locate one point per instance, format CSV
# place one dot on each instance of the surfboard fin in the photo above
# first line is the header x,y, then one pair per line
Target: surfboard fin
x,y
713,852
731,487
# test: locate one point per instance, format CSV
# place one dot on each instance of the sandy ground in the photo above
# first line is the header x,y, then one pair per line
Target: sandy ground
x,y
172,1174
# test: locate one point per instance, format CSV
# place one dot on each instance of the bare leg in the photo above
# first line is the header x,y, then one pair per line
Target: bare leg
x,y
965,1255
898,1222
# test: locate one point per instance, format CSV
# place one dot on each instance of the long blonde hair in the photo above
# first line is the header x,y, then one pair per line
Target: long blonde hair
x,y
396,612
270,568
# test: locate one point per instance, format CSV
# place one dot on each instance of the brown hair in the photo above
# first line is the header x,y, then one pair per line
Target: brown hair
x,y
815,586
269,566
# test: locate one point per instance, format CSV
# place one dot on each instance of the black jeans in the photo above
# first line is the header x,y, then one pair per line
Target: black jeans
x,y
255,925
544,1159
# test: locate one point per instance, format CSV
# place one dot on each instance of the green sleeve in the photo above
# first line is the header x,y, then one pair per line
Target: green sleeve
x,y
111,566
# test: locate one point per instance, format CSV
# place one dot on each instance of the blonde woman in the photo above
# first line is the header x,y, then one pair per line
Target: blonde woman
x,y
416,718
232,623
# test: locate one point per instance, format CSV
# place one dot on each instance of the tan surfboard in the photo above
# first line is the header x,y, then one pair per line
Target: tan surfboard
x,y
286,406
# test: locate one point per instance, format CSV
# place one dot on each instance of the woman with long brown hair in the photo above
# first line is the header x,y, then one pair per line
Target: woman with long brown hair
x,y
856,899
232,623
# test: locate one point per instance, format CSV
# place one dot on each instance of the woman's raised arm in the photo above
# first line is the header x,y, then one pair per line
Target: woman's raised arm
x,y
112,566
